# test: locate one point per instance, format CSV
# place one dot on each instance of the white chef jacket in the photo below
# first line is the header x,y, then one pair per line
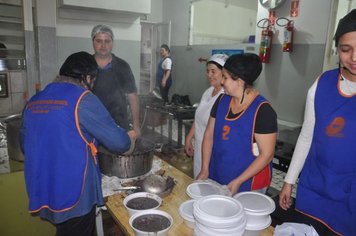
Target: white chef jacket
x,y
201,119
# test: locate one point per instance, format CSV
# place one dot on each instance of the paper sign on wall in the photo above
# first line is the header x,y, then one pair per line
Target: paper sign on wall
x,y
228,52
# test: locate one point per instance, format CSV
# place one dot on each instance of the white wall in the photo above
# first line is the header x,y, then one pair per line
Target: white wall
x,y
177,11
156,11
136,6
311,25
224,21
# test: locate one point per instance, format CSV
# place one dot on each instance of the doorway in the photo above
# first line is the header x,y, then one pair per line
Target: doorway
x,y
152,36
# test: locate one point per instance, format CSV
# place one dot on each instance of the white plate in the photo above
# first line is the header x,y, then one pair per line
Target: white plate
x,y
201,189
256,203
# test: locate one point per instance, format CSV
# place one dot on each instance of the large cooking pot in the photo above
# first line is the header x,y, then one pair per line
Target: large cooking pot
x,y
127,166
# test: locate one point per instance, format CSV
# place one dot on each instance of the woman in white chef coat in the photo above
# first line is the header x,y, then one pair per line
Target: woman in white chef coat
x,y
326,150
202,114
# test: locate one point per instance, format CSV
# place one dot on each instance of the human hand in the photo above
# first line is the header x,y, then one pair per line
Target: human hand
x,y
188,148
163,83
138,131
234,186
203,175
285,200
133,137
132,134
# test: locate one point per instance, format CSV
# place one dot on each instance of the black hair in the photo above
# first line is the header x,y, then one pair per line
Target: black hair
x,y
346,24
79,65
247,66
165,46
215,63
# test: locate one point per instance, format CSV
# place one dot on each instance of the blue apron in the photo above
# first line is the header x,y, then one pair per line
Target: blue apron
x,y
56,152
327,185
160,72
233,146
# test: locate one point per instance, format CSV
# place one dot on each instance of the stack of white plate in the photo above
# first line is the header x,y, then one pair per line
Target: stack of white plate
x,y
200,189
218,215
186,212
258,208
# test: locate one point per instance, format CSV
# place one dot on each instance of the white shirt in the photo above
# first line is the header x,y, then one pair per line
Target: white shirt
x,y
167,64
201,119
302,147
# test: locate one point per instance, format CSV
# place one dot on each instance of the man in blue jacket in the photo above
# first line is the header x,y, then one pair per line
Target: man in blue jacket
x,y
61,128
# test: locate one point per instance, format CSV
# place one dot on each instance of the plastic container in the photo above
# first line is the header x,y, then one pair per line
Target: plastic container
x,y
132,211
218,211
201,189
186,212
148,213
258,208
253,230
218,215
203,230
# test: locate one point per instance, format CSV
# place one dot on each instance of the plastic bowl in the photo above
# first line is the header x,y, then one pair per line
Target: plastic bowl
x,y
258,208
218,211
186,212
146,217
203,230
253,230
201,189
142,196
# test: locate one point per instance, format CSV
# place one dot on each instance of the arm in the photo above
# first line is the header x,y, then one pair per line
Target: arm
x,y
188,141
301,150
166,75
96,120
135,111
266,144
207,147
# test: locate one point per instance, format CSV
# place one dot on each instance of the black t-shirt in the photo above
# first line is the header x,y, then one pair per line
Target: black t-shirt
x,y
112,85
266,119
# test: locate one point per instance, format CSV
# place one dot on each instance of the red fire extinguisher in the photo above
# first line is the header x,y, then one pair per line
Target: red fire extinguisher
x,y
266,40
287,34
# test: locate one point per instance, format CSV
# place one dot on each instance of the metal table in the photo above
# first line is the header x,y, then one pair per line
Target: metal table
x,y
173,112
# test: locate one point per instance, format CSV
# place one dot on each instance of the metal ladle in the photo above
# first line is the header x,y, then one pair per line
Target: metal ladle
x,y
154,184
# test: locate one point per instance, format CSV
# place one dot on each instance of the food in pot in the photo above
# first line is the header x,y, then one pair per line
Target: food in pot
x,y
142,203
151,223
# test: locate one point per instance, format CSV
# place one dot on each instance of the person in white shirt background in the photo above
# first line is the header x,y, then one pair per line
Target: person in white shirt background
x,y
164,72
325,153
214,74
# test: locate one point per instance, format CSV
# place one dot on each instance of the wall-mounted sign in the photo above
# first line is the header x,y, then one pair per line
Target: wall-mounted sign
x,y
228,52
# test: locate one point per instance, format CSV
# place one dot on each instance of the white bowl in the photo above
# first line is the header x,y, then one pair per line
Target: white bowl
x,y
186,212
219,211
258,208
200,189
203,230
257,230
141,232
132,211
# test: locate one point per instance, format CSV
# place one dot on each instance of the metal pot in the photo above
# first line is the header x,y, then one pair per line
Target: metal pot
x,y
12,125
127,166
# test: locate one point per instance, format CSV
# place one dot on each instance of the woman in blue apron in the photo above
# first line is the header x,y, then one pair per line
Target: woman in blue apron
x,y
238,144
326,150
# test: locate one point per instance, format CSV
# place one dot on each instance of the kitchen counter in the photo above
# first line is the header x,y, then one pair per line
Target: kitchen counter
x,y
170,204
